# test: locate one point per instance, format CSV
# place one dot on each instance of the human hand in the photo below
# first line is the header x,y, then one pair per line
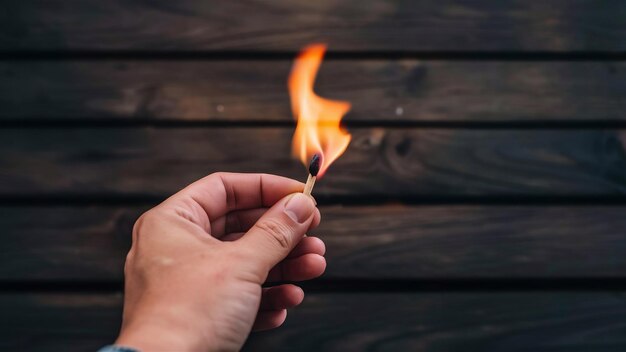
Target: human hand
x,y
194,272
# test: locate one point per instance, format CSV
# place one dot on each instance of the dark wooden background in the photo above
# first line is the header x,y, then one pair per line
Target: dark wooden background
x,y
480,207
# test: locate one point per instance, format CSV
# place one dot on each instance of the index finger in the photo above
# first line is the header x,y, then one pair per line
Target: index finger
x,y
222,192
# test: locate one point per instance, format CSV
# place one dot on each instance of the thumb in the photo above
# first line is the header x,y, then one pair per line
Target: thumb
x,y
278,231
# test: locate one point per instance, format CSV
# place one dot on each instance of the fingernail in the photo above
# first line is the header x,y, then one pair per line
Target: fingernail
x,y
299,207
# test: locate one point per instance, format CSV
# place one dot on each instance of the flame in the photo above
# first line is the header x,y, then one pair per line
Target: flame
x,y
318,130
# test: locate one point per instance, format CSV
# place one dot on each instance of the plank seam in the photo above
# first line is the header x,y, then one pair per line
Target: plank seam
x,y
348,285
109,199
186,55
166,123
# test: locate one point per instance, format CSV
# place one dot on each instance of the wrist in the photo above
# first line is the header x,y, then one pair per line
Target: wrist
x,y
159,334
153,338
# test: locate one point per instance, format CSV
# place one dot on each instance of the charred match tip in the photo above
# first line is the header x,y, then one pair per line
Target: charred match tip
x,y
314,166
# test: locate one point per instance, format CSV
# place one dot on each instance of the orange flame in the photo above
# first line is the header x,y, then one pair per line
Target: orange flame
x,y
318,130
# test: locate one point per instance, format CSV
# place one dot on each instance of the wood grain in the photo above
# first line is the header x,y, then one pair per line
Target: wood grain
x,y
59,322
89,244
391,162
70,244
372,25
385,90
452,322
355,322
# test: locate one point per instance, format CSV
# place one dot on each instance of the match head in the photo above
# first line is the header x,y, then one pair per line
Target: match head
x,y
314,166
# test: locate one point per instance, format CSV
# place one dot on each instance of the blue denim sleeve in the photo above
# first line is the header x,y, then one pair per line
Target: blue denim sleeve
x,y
113,348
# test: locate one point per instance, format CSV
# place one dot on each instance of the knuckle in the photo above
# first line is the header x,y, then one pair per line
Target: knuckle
x,y
143,224
137,227
275,231
215,175
218,175
128,262
140,224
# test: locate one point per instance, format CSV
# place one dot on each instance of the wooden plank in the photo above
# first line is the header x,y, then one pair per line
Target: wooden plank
x,y
89,244
373,25
59,322
447,322
389,162
382,90
356,322
66,243
452,322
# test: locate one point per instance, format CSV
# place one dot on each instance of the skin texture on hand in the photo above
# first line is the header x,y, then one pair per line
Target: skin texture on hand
x,y
194,273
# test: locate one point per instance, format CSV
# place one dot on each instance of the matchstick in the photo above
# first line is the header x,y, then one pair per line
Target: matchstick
x,y
314,168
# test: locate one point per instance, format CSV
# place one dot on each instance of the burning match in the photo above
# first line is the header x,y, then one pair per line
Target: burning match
x,y
319,136
314,168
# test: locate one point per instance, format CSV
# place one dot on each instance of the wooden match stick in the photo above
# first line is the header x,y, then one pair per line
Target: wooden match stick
x,y
314,168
